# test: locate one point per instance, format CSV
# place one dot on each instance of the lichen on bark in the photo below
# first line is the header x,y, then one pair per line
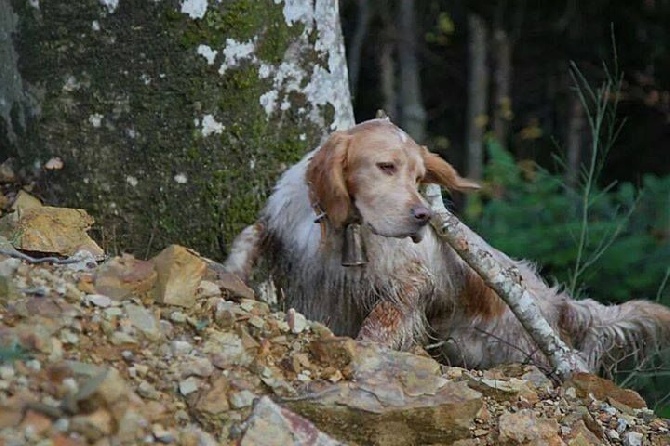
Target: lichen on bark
x,y
173,127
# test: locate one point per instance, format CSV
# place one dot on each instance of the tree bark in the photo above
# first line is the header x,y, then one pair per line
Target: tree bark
x,y
502,78
173,118
477,95
574,140
413,113
356,47
499,273
387,63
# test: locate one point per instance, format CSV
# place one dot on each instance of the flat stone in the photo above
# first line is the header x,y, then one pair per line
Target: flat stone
x,y
602,389
208,289
50,230
25,201
180,272
188,386
524,427
234,285
271,424
98,300
125,276
632,439
144,320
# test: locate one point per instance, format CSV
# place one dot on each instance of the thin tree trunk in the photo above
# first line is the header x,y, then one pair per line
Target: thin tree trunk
x,y
387,61
413,114
502,78
354,54
574,141
477,95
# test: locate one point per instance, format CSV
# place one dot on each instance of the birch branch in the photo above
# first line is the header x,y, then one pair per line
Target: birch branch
x,y
500,273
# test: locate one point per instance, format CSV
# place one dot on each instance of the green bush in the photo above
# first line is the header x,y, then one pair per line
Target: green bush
x,y
529,213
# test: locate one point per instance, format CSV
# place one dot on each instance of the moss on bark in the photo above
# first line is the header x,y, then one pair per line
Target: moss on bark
x,y
123,97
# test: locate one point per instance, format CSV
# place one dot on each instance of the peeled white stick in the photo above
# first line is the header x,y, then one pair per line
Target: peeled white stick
x,y
500,273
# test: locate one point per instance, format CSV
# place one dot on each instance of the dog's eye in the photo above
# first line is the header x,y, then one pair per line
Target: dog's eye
x,y
387,168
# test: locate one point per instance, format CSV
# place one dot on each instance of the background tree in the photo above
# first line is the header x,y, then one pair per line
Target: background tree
x,y
172,118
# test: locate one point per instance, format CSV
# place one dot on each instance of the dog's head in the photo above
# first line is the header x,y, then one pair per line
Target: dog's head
x,y
373,171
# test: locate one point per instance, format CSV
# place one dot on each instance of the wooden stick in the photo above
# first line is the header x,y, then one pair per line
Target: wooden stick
x,y
500,273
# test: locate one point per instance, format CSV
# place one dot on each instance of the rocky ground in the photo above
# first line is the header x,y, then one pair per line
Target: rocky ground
x,y
171,351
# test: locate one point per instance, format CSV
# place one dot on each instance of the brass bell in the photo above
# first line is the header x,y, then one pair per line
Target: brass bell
x,y
353,251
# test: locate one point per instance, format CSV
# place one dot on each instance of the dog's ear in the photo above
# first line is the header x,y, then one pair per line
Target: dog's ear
x,y
326,179
441,172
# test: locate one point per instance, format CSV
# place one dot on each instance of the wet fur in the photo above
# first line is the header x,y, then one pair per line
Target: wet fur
x,y
416,293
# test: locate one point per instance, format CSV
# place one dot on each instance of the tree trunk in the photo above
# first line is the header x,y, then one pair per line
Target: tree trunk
x,y
387,62
173,118
574,141
356,47
477,95
502,79
412,112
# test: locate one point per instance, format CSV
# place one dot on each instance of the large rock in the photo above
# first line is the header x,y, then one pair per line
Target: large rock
x,y
393,398
50,230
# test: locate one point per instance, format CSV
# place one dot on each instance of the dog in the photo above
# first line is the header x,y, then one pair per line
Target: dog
x,y
414,289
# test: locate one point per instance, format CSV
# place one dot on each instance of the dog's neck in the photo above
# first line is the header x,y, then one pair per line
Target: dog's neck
x,y
353,248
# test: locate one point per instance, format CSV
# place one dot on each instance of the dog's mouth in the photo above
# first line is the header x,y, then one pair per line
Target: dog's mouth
x,y
416,236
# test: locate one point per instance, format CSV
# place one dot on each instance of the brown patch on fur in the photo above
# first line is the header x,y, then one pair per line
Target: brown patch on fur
x,y
479,300
382,324
326,179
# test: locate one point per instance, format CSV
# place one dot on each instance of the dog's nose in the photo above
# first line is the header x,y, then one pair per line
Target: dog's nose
x,y
421,214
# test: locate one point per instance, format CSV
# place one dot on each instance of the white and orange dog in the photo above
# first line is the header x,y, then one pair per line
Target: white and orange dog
x,y
414,289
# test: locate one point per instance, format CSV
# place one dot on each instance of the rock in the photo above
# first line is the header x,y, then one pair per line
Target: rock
x,y
25,201
600,388
179,274
98,300
8,291
214,402
8,266
504,390
241,399
396,398
180,348
209,289
94,426
122,277
188,386
234,285
524,427
632,439
144,321
271,425
50,230
296,321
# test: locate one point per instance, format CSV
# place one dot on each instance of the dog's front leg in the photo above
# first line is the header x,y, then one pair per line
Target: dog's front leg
x,y
390,324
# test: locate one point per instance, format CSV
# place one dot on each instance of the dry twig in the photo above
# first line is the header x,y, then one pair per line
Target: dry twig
x,y
500,273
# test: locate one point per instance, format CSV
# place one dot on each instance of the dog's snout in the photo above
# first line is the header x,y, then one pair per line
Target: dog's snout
x,y
421,214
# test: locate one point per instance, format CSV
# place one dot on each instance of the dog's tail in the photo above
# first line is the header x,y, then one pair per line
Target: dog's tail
x,y
609,334
245,251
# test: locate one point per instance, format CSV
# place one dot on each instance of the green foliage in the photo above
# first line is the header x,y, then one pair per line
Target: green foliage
x,y
529,213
